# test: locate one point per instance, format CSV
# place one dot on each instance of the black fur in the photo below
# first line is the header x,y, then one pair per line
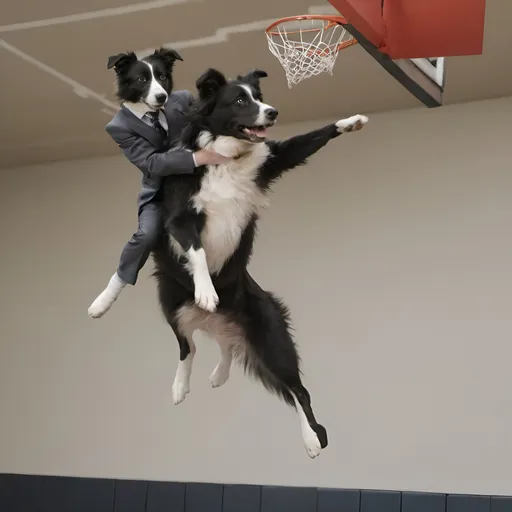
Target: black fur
x,y
225,108
268,351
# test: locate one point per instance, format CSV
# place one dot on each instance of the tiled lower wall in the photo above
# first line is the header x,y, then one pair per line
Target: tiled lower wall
x,y
30,493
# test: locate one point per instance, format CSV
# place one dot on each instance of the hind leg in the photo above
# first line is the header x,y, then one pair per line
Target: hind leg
x,y
281,372
220,375
314,435
181,385
281,365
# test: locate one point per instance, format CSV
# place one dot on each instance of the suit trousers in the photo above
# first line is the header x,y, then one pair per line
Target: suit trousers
x,y
138,248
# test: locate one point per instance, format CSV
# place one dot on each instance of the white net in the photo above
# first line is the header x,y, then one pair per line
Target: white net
x,y
307,47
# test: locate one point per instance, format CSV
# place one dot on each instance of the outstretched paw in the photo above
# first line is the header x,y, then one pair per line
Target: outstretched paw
x,y
351,124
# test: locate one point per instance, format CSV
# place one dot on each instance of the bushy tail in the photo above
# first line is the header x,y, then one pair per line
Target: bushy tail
x,y
269,354
255,367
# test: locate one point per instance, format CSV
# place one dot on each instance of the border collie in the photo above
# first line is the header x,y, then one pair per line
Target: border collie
x,y
146,82
210,222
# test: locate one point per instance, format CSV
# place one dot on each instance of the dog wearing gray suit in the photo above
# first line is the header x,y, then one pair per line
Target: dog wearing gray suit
x,y
147,128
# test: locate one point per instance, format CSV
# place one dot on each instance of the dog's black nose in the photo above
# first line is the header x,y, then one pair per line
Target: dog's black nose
x,y
271,113
161,98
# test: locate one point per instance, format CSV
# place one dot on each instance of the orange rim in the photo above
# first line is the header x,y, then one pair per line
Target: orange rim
x,y
332,20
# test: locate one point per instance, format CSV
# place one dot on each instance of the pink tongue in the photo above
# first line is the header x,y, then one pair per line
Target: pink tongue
x,y
260,132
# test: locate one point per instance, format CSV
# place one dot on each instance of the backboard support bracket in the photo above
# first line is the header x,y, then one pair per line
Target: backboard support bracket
x,y
406,72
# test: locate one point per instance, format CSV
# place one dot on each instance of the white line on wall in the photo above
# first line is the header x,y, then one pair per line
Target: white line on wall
x,y
222,34
108,111
95,137
102,13
78,88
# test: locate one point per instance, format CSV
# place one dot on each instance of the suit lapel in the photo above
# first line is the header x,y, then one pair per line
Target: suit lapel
x,y
143,129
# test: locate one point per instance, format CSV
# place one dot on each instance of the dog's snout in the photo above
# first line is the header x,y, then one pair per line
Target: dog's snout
x,y
161,98
271,113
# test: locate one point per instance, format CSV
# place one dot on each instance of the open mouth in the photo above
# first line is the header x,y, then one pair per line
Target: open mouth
x,y
256,133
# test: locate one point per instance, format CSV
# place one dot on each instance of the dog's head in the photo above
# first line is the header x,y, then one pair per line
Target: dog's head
x,y
147,80
235,108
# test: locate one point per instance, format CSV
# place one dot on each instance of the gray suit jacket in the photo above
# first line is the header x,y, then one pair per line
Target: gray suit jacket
x,y
148,150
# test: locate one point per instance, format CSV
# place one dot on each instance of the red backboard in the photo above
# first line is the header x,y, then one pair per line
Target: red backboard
x,y
411,29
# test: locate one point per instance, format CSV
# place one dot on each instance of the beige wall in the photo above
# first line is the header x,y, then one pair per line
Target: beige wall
x,y
402,233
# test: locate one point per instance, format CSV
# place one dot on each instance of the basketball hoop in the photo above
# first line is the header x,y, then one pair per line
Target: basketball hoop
x,y
308,45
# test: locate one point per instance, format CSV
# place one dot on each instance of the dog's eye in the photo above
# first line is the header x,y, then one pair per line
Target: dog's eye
x,y
142,79
163,77
240,101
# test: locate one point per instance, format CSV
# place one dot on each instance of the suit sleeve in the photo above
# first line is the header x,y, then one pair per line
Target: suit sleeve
x,y
144,155
189,98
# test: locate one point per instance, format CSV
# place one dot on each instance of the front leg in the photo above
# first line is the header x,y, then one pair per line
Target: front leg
x,y
205,294
187,242
295,151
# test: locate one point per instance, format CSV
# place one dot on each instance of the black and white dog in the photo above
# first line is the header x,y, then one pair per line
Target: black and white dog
x,y
210,223
144,83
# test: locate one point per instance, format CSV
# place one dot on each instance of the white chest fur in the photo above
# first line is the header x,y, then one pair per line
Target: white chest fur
x,y
229,196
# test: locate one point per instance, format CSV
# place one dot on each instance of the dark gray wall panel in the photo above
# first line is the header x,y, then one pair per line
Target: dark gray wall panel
x,y
282,499
203,498
338,500
38,493
237,498
463,503
423,502
130,496
68,494
21,493
501,504
380,501
165,497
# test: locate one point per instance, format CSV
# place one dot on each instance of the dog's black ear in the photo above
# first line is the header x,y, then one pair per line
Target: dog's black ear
x,y
121,60
209,83
168,55
253,77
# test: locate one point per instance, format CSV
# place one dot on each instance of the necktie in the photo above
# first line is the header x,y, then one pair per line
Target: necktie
x,y
155,123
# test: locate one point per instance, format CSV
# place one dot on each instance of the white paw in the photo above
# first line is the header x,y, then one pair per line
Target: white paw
x,y
351,124
180,390
219,376
100,306
206,297
312,444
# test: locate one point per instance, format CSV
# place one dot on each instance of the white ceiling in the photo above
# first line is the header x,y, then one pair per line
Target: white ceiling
x,y
57,94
